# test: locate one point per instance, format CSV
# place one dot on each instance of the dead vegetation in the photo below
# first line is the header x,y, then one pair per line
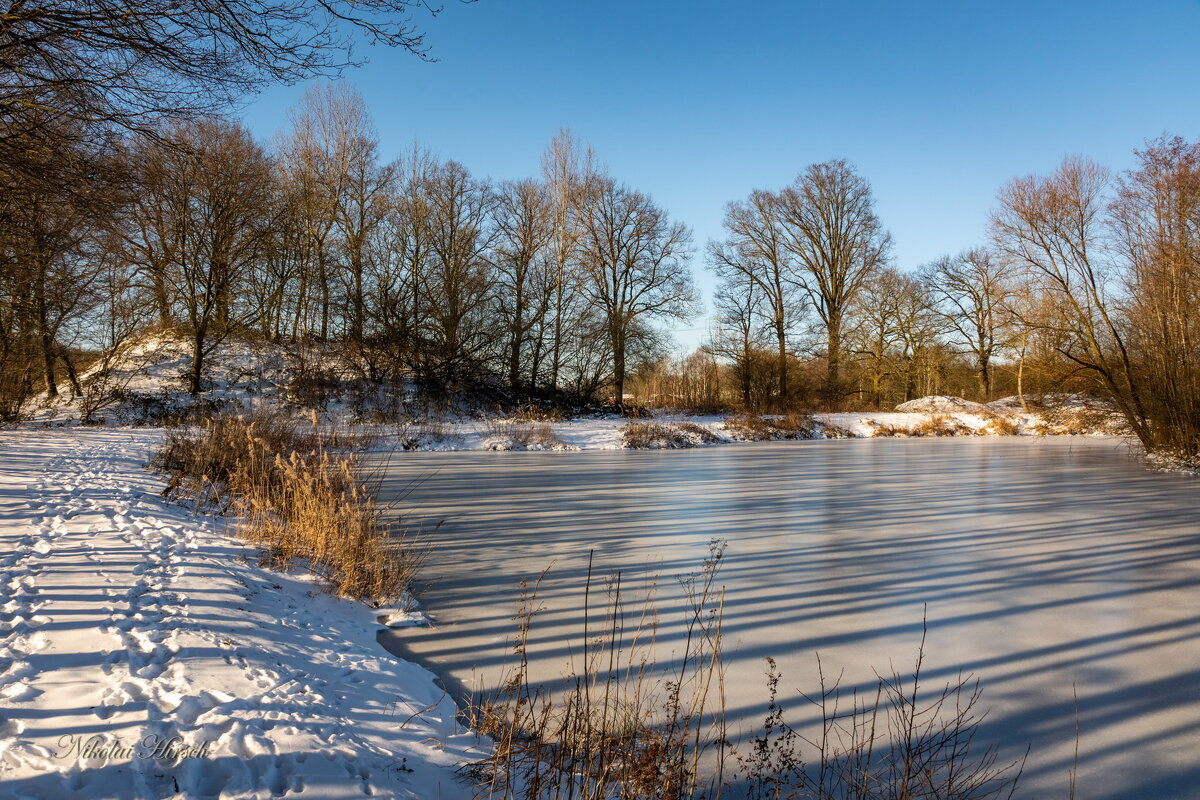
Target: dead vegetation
x,y
999,425
297,493
522,435
1068,421
666,435
941,425
623,727
946,425
757,428
897,739
620,725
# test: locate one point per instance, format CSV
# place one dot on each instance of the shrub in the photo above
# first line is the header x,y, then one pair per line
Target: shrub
x,y
755,428
666,435
509,435
1068,421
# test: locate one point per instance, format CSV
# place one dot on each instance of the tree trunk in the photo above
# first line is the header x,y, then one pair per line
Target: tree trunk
x,y
618,344
984,376
781,337
197,360
834,358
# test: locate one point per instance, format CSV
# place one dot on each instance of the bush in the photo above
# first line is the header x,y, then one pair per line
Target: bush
x,y
508,435
1068,421
756,428
299,495
666,435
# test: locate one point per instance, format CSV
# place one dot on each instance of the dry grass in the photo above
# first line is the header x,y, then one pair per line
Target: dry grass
x,y
1060,421
756,428
622,726
940,425
999,425
666,435
300,495
522,435
904,741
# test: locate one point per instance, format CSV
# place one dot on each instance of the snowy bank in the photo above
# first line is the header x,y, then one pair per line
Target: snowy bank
x,y
129,623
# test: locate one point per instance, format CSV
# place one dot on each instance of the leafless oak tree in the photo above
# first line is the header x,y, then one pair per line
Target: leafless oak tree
x,y
970,293
831,230
635,263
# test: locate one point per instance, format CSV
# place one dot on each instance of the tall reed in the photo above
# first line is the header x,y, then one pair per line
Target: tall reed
x,y
299,493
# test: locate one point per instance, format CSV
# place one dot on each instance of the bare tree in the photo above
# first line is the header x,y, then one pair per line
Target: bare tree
x,y
635,263
525,267
456,287
210,189
1055,226
755,251
54,245
970,293
1156,226
130,63
737,336
838,243
566,167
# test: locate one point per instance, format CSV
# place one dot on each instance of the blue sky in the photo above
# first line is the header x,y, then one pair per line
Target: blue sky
x,y
697,103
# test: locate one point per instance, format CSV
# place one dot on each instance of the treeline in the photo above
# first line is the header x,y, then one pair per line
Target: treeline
x,y
421,270
556,286
1089,281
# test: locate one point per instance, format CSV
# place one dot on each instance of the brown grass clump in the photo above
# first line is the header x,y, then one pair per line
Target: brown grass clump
x,y
999,425
522,435
940,425
299,495
1060,421
887,430
666,435
756,428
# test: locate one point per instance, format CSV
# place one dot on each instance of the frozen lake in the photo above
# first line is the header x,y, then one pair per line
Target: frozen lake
x,y
1044,563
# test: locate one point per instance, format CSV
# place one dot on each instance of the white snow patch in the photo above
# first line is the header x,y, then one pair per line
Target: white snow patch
x,y
937,403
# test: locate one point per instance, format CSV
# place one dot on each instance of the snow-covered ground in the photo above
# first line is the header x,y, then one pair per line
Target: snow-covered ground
x,y
131,629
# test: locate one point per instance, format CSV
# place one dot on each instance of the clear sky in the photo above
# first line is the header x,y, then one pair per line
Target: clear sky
x,y
697,103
